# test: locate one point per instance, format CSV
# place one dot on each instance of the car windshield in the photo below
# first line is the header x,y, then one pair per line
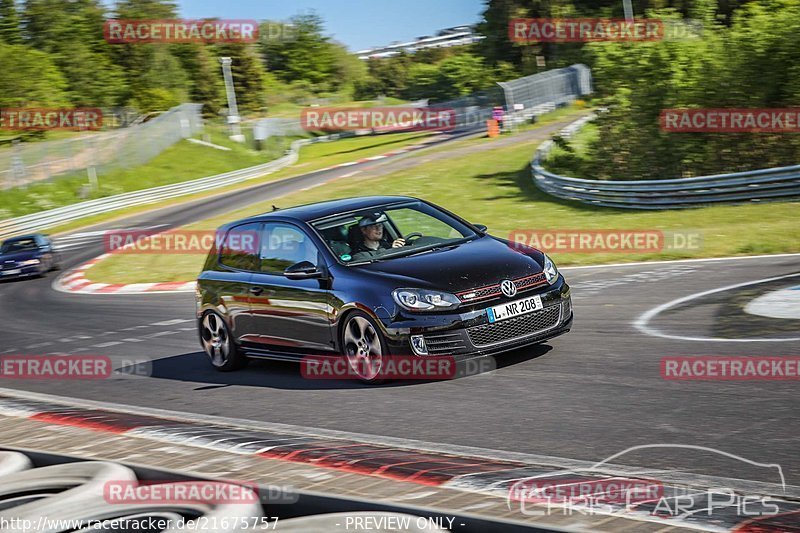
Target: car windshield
x,y
387,232
18,245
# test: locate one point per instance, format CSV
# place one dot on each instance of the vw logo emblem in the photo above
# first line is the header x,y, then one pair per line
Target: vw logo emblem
x,y
508,287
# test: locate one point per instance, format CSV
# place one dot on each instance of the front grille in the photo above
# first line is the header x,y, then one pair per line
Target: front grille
x,y
530,281
515,328
490,291
444,343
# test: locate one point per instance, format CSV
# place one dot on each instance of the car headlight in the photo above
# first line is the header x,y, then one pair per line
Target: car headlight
x,y
29,262
550,270
424,300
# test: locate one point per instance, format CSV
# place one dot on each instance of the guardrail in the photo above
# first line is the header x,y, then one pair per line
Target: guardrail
x,y
771,184
46,219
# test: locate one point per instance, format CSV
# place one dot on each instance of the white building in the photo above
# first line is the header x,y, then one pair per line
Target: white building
x,y
456,36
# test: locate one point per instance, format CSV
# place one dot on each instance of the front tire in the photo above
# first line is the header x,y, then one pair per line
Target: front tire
x,y
364,347
45,266
219,345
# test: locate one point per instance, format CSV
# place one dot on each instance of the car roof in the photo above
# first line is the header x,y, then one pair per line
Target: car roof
x,y
23,237
309,212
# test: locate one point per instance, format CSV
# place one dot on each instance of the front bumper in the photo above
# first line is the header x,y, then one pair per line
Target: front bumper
x,y
469,333
24,272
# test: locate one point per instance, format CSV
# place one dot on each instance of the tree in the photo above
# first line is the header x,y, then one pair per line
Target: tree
x,y
458,75
424,81
349,72
150,69
72,35
741,66
205,76
307,55
9,23
36,80
390,76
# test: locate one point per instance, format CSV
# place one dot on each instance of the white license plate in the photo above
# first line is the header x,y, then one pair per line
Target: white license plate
x,y
515,308
12,272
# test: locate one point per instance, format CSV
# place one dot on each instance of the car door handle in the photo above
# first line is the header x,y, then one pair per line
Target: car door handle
x,y
256,290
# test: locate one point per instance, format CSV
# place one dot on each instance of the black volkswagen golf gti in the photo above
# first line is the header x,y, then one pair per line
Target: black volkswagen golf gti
x,y
372,277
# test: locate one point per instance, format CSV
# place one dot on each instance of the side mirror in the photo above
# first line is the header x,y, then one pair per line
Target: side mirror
x,y
481,227
302,270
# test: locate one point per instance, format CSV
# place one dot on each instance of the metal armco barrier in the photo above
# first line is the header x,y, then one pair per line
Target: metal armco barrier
x,y
771,184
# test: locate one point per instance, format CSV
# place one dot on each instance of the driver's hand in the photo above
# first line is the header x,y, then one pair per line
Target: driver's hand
x,y
398,243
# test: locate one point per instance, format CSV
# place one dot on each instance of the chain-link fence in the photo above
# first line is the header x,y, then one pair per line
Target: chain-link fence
x,y
97,153
537,94
277,127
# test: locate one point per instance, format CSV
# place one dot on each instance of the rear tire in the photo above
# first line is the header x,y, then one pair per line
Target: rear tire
x,y
219,345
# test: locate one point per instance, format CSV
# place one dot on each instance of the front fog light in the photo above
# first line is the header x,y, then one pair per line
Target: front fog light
x,y
418,345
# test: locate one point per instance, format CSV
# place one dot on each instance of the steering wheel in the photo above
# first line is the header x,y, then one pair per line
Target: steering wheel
x,y
410,236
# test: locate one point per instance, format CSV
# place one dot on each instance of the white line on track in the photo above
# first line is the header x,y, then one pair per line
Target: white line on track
x,y
161,334
172,322
642,322
38,345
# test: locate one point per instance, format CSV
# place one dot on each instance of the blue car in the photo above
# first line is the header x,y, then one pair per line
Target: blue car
x,y
27,255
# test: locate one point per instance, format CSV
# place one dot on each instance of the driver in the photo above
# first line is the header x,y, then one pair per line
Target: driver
x,y
371,227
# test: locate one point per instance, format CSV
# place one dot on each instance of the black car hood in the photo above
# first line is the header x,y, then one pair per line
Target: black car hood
x,y
483,261
20,256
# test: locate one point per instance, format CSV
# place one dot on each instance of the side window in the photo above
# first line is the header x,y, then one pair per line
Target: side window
x,y
283,245
240,248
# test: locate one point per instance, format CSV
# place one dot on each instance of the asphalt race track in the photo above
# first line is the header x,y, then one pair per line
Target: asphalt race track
x,y
587,395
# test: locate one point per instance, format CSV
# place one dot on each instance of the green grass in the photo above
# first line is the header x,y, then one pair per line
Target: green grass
x,y
574,160
495,188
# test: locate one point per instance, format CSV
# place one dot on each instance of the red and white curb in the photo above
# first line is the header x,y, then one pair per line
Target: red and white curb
x,y
75,281
496,477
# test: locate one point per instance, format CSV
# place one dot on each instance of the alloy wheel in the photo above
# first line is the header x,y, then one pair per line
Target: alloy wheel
x,y
362,347
216,341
